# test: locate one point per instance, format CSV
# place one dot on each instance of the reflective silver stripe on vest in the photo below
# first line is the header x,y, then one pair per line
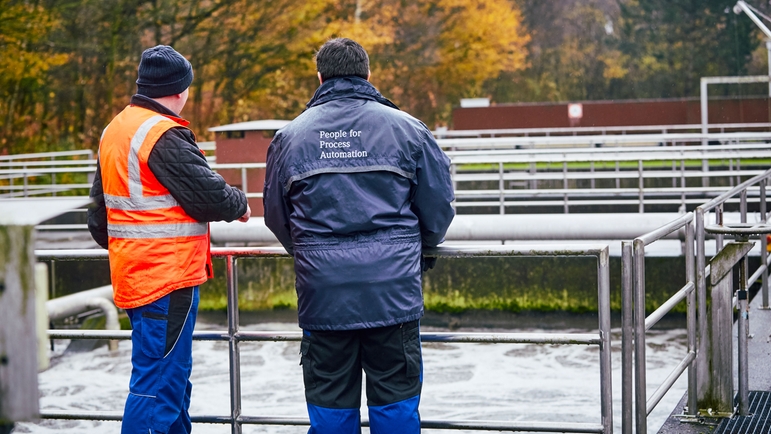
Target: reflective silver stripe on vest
x,y
157,231
135,180
140,203
362,169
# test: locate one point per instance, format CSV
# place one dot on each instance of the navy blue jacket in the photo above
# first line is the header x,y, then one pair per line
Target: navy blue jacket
x,y
354,188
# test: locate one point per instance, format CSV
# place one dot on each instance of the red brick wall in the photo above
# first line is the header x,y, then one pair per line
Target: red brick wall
x,y
610,113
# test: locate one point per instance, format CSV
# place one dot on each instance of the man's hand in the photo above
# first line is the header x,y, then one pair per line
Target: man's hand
x,y
427,263
245,218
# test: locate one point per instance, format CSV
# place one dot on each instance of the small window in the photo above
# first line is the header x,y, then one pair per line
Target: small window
x,y
234,134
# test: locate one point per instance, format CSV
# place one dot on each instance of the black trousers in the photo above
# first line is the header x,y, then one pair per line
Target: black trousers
x,y
333,362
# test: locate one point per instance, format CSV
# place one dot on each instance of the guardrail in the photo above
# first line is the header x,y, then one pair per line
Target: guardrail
x,y
668,178
635,325
708,360
572,131
234,336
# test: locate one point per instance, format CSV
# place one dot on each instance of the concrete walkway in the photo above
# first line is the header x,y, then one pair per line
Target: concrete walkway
x,y
759,349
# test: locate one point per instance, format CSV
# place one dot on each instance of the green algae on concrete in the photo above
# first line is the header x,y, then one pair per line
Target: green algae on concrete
x,y
511,284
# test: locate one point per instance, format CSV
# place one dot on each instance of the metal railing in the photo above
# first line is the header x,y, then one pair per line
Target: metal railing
x,y
234,336
635,324
580,178
622,130
719,303
668,178
701,374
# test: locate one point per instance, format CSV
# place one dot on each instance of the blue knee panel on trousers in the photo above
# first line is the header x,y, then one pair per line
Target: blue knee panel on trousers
x,y
161,358
334,420
399,417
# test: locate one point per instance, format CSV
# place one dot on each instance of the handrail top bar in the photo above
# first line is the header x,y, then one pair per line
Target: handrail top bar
x,y
525,249
665,230
46,154
739,229
600,138
727,195
735,79
11,163
623,149
571,130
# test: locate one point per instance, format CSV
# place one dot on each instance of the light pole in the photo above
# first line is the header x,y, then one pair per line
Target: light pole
x,y
740,7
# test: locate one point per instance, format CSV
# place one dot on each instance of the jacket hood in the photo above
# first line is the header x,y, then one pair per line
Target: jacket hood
x,y
347,87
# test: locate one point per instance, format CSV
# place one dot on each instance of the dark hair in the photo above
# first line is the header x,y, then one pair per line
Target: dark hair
x,y
340,57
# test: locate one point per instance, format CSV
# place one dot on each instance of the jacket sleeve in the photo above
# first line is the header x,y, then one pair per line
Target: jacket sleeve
x,y
181,167
277,210
433,194
97,212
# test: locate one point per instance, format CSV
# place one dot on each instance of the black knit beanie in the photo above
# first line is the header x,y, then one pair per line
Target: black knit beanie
x,y
163,72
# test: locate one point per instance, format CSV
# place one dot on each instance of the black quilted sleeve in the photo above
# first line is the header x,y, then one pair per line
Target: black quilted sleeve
x,y
97,212
180,166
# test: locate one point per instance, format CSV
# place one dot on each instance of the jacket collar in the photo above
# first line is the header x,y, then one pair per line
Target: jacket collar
x,y
150,104
347,87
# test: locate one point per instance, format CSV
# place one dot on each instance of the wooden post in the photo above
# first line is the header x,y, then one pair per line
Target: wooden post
x,y
715,376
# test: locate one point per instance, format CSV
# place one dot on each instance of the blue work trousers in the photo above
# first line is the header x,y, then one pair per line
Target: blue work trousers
x,y
333,362
161,358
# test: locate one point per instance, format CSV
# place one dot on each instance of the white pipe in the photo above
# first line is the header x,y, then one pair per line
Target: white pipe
x,y
97,298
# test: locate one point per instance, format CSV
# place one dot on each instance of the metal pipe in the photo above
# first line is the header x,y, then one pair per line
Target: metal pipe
x,y
690,275
743,206
627,335
702,368
641,415
668,382
234,353
233,335
603,306
565,186
743,331
742,6
502,196
512,426
666,229
667,306
764,244
641,186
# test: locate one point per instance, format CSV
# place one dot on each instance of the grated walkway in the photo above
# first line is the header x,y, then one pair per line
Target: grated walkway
x,y
758,421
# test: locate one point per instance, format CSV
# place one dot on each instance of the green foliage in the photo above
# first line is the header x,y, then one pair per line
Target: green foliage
x,y
68,66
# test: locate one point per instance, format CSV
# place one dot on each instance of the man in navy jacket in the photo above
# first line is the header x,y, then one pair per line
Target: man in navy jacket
x,y
354,190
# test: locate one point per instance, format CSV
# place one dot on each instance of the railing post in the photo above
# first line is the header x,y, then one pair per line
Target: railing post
x,y
743,329
690,275
627,337
565,182
702,362
500,189
764,246
682,185
244,187
606,375
719,221
641,399
25,180
640,185
234,354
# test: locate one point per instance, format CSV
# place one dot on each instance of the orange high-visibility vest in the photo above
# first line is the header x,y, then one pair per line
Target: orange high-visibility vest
x,y
154,246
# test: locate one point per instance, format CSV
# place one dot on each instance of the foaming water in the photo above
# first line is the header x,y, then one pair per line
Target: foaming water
x,y
514,382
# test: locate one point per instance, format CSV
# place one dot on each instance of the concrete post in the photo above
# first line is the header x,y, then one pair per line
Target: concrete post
x,y
18,339
715,388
